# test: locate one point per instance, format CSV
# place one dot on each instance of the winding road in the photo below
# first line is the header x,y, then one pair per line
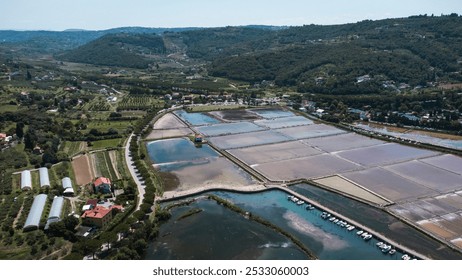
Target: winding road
x,y
133,172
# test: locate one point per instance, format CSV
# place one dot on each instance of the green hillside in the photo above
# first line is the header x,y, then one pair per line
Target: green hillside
x,y
124,50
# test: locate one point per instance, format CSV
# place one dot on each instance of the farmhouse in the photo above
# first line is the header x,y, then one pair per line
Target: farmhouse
x,y
98,216
26,181
102,185
35,213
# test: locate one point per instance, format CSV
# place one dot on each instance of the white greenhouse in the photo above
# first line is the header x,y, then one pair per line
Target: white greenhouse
x,y
35,213
26,181
44,178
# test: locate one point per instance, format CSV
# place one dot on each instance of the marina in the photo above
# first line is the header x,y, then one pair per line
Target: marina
x,y
314,228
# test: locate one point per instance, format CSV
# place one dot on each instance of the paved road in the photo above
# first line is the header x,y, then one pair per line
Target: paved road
x,y
131,168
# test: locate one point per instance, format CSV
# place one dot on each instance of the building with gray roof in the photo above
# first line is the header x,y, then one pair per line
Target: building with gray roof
x,y
35,213
44,178
67,186
26,181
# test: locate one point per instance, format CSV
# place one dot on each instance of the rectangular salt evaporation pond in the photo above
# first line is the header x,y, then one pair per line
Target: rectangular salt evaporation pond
x,y
384,154
169,121
435,178
272,113
342,142
389,185
235,115
212,172
228,128
247,139
309,131
284,122
178,150
308,167
196,118
448,162
274,152
169,133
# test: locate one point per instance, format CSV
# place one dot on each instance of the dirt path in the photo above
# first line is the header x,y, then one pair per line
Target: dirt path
x,y
17,216
93,166
113,157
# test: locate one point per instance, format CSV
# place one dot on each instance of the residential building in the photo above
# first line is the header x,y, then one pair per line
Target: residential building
x,y
102,185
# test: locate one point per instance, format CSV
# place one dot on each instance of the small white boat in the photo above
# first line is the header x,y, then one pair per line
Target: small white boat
x,y
364,234
359,232
379,244
300,202
386,249
392,251
405,257
332,219
350,228
367,237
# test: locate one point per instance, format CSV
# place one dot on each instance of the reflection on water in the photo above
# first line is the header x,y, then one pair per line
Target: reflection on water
x,y
196,118
178,150
217,233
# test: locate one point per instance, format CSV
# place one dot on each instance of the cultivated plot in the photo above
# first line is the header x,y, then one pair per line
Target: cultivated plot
x,y
435,178
308,168
248,139
388,184
229,128
274,152
342,142
309,131
384,154
284,122
449,162
169,121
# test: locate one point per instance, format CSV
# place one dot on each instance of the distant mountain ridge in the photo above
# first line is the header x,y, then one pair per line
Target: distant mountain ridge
x,y
364,57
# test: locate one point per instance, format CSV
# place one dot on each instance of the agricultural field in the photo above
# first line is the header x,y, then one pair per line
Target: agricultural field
x,y
103,125
144,103
72,148
104,144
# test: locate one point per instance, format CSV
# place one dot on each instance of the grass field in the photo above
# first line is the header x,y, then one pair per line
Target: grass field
x,y
103,144
104,126
73,147
9,108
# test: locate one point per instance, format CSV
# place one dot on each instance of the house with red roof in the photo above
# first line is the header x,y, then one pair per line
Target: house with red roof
x,y
102,185
98,216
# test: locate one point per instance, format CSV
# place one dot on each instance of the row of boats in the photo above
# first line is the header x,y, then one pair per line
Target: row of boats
x,y
299,201
384,247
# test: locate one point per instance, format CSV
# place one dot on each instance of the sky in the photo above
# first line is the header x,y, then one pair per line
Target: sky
x,y
104,14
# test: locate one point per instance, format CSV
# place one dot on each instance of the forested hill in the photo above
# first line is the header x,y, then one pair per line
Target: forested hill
x,y
121,49
334,59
